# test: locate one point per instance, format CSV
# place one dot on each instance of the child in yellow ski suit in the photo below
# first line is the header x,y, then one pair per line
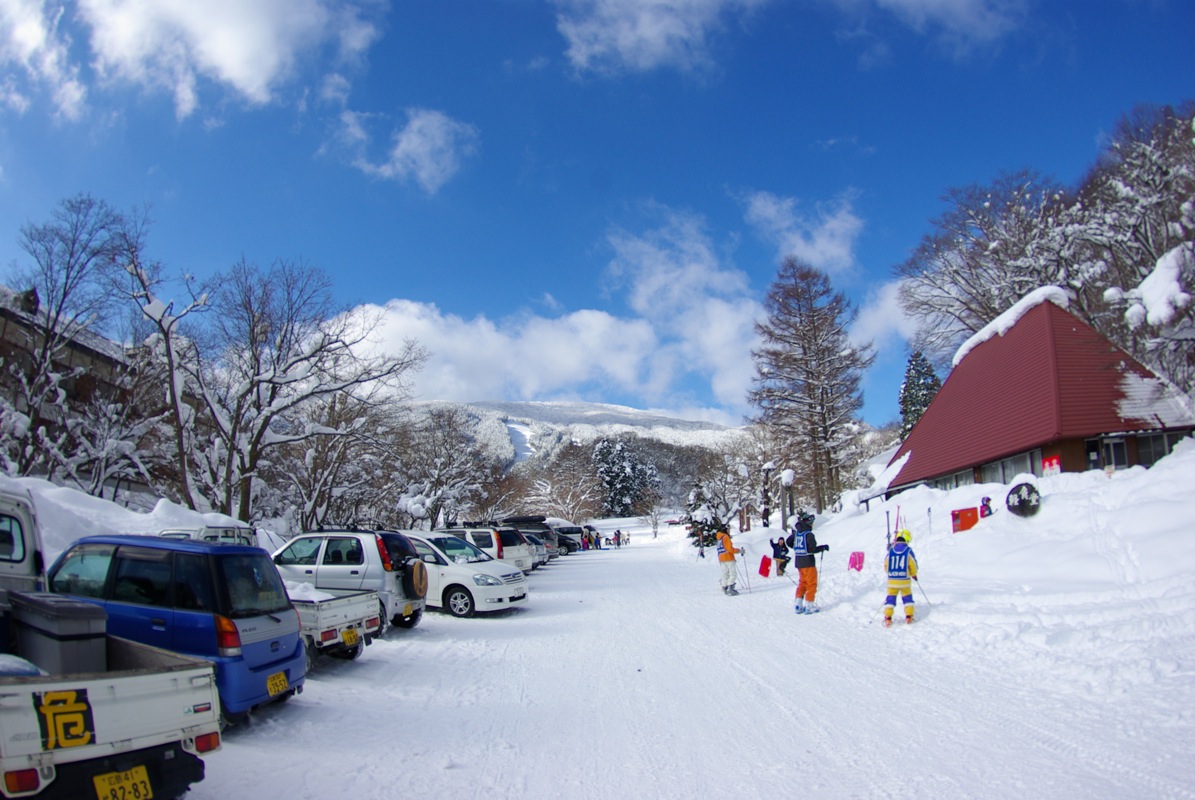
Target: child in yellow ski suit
x,y
902,571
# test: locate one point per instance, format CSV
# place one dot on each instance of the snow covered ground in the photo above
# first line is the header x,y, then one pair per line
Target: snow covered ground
x,y
1055,657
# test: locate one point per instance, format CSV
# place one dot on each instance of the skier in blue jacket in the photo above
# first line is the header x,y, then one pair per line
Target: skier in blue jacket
x,y
902,571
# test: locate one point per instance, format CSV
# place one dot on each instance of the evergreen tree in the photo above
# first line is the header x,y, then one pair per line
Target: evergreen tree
x,y
627,481
917,391
808,374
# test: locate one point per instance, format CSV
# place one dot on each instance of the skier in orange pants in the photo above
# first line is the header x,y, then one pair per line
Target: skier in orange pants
x,y
805,547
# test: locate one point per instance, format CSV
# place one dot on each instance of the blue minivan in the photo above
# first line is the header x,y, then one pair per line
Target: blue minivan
x,y
222,602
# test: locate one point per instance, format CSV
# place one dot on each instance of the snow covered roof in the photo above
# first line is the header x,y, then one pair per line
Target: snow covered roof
x,y
1036,375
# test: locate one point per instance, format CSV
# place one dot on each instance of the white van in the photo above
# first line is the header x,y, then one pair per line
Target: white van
x,y
504,544
463,580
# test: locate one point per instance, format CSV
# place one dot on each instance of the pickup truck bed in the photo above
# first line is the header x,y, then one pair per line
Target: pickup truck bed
x,y
142,723
335,621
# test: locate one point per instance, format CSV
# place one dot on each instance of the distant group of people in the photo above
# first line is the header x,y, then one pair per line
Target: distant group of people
x,y
901,565
589,541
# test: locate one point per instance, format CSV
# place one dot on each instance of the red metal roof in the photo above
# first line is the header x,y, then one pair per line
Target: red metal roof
x,y
1049,377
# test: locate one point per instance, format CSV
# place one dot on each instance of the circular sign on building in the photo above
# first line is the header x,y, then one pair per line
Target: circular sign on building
x,y
1023,500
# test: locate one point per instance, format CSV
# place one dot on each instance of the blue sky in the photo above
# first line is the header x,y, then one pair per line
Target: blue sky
x,y
578,199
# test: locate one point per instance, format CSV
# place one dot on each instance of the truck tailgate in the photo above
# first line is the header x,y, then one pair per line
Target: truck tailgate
x,y
152,697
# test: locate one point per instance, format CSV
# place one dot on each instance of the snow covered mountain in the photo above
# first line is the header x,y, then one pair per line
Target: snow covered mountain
x,y
538,426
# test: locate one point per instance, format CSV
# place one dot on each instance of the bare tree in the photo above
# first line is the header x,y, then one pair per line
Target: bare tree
x,y
984,254
64,298
567,487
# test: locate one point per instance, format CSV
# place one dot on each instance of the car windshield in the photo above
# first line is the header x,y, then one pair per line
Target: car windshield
x,y
252,586
459,550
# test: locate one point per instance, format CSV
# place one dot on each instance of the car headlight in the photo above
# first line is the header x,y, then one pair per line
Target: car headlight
x,y
486,580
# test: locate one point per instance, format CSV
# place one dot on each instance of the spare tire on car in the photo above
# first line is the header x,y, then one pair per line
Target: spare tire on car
x,y
414,579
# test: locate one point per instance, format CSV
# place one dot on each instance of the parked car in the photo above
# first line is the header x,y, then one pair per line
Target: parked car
x,y
379,561
504,544
225,603
234,535
540,549
550,540
335,622
536,523
571,534
463,580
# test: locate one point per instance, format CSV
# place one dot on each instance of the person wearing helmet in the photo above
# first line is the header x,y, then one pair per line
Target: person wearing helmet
x,y
805,547
902,571
726,555
985,507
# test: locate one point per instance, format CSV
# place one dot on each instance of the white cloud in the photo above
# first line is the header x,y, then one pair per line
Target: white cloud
x,y
825,240
532,358
640,35
881,319
31,42
964,20
960,25
250,48
428,150
687,339
705,312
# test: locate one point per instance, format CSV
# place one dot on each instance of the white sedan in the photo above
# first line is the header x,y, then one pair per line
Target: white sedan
x,y
463,580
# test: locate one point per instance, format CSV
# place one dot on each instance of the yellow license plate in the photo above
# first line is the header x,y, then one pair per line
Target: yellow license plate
x,y
350,636
276,684
132,783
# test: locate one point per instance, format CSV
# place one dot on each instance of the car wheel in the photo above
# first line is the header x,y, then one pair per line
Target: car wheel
x,y
459,602
312,653
228,719
352,654
385,619
408,622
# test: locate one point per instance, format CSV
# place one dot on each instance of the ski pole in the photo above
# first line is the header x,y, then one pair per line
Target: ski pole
x,y
878,610
923,594
746,571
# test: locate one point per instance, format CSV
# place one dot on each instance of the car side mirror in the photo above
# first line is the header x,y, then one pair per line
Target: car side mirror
x,y
429,558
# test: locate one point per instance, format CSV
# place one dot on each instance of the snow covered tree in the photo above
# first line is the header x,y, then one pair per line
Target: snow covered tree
x,y
985,253
566,486
627,481
65,294
274,343
1137,224
808,374
917,391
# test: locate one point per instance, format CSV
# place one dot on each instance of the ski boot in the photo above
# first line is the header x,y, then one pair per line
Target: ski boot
x,y
909,620
887,622
731,590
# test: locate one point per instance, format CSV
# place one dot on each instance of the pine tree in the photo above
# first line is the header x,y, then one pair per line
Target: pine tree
x,y
917,391
808,375
627,481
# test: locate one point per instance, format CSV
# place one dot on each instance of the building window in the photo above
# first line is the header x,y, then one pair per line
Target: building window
x,y
1116,454
1150,449
1005,470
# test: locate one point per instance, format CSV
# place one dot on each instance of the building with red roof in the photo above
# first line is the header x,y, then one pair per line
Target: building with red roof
x,y
1040,391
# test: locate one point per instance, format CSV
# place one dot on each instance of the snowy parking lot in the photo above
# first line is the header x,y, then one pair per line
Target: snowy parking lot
x,y
629,674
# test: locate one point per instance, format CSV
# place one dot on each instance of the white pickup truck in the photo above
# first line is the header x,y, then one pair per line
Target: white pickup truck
x,y
339,622
84,714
